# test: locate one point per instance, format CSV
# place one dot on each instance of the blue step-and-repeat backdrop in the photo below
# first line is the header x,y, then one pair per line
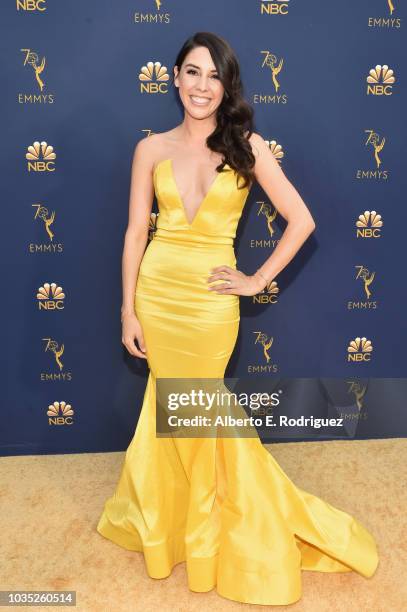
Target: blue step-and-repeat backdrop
x,y
82,83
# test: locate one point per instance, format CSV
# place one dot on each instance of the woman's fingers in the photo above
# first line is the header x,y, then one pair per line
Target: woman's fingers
x,y
218,287
133,350
129,343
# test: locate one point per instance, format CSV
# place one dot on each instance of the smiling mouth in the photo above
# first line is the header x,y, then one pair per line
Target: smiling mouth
x,y
199,100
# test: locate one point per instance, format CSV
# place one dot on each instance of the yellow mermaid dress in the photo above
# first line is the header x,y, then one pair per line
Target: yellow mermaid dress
x,y
223,505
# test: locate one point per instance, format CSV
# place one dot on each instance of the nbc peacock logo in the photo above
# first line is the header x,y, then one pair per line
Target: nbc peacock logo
x,y
60,413
369,225
153,78
274,7
380,81
276,149
152,227
31,6
359,349
50,297
268,295
40,156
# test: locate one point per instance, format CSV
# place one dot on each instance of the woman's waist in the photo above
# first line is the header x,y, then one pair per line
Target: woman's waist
x,y
168,258
190,237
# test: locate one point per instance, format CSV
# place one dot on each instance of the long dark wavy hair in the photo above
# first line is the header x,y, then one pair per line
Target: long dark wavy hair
x,y
234,115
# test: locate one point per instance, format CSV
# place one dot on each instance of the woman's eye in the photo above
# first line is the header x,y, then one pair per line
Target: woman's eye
x,y
193,71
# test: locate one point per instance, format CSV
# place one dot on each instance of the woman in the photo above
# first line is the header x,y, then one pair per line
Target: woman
x,y
223,505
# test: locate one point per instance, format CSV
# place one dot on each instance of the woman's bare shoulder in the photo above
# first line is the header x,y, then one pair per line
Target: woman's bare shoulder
x,y
257,142
156,146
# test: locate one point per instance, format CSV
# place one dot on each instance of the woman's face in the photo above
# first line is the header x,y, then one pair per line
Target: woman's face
x,y
198,83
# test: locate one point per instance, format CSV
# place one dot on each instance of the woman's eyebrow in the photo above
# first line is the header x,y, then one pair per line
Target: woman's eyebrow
x,y
194,66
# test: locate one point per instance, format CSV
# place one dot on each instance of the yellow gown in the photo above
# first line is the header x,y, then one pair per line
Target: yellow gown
x,y
223,505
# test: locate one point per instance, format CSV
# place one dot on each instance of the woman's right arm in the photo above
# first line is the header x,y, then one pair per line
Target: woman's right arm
x,y
135,241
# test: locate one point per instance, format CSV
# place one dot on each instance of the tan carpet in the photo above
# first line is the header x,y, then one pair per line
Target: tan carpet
x,y
50,506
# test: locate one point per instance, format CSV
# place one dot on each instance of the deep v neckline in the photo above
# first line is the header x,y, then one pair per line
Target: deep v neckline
x,y
178,194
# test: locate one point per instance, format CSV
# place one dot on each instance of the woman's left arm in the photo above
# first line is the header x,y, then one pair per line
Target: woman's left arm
x,y
290,205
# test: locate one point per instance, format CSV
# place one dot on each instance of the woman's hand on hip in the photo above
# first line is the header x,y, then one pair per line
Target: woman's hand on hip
x,y
236,282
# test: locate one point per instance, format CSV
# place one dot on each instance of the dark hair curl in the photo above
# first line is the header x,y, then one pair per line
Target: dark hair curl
x,y
234,115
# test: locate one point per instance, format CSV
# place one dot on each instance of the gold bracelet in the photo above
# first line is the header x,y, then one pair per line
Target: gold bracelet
x,y
262,276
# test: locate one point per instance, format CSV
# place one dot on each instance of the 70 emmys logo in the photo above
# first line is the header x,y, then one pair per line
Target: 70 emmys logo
x,y
36,151
275,65
33,60
265,341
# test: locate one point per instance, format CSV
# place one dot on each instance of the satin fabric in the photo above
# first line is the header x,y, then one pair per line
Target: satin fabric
x,y
223,505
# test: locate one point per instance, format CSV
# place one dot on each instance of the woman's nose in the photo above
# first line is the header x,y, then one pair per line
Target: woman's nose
x,y
203,82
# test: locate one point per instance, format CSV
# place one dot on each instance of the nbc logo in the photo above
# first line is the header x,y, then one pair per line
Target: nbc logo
x,y
152,227
50,297
369,225
268,295
276,7
31,5
380,81
276,149
60,413
359,349
40,157
153,78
